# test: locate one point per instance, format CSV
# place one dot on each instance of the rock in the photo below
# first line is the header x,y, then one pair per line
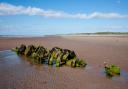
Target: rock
x,y
71,63
80,63
29,50
21,49
112,70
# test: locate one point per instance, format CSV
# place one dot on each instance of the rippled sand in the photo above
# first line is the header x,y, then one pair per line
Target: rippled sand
x,y
17,73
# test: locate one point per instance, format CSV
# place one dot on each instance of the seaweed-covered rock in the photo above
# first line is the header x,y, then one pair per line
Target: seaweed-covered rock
x,y
80,63
36,58
55,56
72,55
35,55
64,56
76,63
39,54
29,50
112,70
50,61
20,50
71,63
58,61
15,50
41,51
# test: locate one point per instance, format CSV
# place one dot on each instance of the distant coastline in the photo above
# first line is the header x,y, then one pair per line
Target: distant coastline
x,y
71,34
96,34
102,33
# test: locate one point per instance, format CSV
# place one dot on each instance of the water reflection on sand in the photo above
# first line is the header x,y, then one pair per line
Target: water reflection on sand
x,y
17,73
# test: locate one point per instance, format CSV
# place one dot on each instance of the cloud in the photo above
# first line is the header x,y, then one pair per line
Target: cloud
x,y
9,9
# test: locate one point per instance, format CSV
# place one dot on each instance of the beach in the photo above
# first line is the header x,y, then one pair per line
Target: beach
x,y
17,73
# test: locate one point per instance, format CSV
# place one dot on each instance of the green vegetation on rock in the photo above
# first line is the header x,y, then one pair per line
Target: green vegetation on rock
x,y
56,55
112,70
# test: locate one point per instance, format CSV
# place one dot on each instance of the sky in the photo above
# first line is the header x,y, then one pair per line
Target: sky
x,y
50,17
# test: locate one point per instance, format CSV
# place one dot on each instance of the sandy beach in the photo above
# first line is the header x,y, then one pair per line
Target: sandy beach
x,y
17,73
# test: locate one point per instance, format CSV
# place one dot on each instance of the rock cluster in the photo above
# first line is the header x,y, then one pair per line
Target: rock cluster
x,y
56,55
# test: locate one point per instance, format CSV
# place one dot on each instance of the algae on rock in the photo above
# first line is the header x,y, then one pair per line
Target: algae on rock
x,y
112,70
55,56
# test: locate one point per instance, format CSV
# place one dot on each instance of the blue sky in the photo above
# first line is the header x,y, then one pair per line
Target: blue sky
x,y
46,17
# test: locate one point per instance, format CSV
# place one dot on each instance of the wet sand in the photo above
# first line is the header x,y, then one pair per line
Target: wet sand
x,y
17,73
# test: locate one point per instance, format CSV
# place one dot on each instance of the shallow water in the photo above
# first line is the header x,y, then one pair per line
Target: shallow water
x,y
123,77
18,73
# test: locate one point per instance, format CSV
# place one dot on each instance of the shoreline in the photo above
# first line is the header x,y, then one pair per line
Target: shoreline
x,y
63,35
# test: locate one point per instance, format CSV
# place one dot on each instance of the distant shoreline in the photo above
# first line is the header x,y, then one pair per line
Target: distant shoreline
x,y
62,35
72,34
106,35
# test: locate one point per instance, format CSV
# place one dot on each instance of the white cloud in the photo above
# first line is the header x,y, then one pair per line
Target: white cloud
x,y
8,9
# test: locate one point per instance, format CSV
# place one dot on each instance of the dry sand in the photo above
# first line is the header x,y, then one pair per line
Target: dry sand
x,y
17,73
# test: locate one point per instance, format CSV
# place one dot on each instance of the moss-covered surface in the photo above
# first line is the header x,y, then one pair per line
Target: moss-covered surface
x,y
56,55
112,70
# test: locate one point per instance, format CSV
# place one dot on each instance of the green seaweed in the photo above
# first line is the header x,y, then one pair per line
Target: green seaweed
x,y
80,63
29,50
112,70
